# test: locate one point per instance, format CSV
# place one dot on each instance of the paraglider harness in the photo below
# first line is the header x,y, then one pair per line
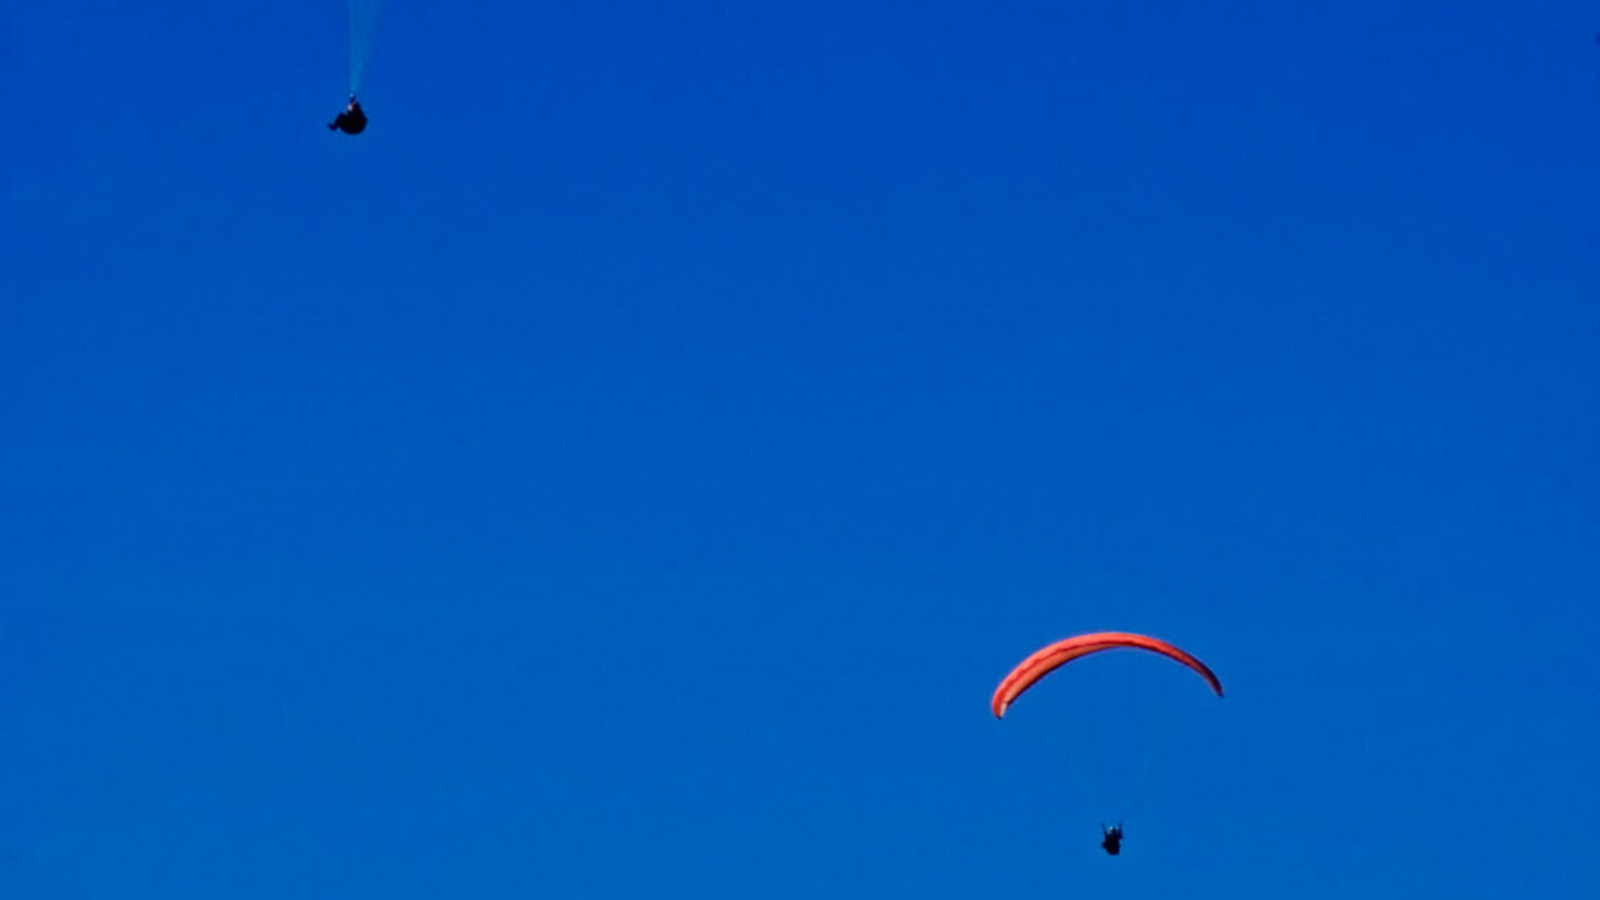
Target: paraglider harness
x,y
1111,838
352,121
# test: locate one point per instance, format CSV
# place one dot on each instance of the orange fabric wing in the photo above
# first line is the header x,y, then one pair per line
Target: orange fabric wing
x,y
1053,657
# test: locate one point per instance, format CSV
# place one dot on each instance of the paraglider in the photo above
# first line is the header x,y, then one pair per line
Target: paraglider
x,y
363,23
352,121
1048,659
1111,838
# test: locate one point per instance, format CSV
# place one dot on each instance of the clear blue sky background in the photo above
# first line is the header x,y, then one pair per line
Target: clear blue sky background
x,y
627,469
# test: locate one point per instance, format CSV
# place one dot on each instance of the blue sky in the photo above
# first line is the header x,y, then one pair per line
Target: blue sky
x,y
628,467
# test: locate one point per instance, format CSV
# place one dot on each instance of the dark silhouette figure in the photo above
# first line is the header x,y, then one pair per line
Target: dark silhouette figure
x,y
1111,838
352,121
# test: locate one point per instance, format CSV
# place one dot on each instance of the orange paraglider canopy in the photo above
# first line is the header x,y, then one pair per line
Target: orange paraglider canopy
x,y
1047,660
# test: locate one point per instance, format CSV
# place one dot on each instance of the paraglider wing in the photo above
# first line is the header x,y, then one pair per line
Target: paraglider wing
x,y
364,16
1053,657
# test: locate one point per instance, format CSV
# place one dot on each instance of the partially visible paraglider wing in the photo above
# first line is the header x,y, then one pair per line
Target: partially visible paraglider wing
x,y
1047,660
363,25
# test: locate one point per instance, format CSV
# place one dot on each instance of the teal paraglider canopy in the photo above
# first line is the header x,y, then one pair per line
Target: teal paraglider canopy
x,y
364,16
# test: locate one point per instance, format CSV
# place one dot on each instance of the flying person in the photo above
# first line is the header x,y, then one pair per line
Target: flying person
x,y
1051,658
1111,838
352,121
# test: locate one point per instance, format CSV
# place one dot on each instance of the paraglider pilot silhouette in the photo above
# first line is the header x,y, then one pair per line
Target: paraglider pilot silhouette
x,y
352,121
1111,838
